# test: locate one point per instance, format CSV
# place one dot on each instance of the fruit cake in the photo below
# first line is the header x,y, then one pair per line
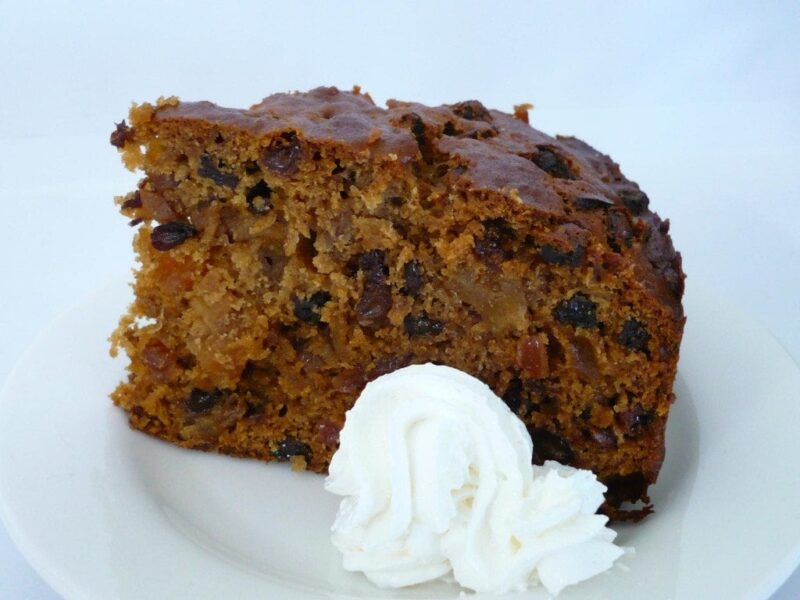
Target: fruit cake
x,y
293,251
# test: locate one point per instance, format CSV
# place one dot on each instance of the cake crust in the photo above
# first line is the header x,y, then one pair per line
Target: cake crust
x,y
294,250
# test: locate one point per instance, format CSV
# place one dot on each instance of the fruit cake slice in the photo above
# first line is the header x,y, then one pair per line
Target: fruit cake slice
x,y
293,251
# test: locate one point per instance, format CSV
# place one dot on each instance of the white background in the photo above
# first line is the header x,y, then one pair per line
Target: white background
x,y
697,101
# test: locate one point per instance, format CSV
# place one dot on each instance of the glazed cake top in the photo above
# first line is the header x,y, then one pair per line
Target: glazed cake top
x,y
559,178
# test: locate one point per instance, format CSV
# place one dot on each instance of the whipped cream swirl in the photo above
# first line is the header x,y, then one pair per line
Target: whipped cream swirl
x,y
437,477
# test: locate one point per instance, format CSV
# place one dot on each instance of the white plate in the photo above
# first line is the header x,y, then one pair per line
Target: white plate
x,y
106,513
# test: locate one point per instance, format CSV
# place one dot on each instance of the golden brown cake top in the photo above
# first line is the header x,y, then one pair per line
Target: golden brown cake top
x,y
559,178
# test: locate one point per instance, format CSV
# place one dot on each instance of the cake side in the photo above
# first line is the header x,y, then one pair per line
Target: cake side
x,y
295,250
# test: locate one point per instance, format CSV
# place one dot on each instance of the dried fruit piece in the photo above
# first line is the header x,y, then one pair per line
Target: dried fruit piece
x,y
259,198
495,245
158,182
376,298
202,401
532,357
134,202
349,381
619,230
584,359
413,278
550,446
605,438
329,433
374,305
625,488
472,110
422,324
417,128
578,311
159,359
291,446
549,160
514,394
210,169
373,265
571,258
387,364
635,420
634,335
635,201
307,309
283,154
121,134
170,235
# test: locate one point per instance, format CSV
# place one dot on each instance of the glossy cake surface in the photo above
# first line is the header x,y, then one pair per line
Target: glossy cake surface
x,y
293,251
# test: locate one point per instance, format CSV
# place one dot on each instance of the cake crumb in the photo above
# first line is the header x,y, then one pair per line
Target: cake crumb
x,y
521,111
298,463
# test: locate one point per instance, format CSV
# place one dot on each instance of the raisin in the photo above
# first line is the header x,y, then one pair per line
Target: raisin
x,y
605,438
134,202
422,324
551,162
619,231
259,198
449,129
412,278
578,311
202,401
472,110
373,265
625,488
495,245
417,128
283,154
387,364
550,446
291,446
329,433
635,201
307,309
514,394
635,420
209,168
634,335
553,256
376,298
349,381
172,234
592,202
121,134
253,411
374,305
